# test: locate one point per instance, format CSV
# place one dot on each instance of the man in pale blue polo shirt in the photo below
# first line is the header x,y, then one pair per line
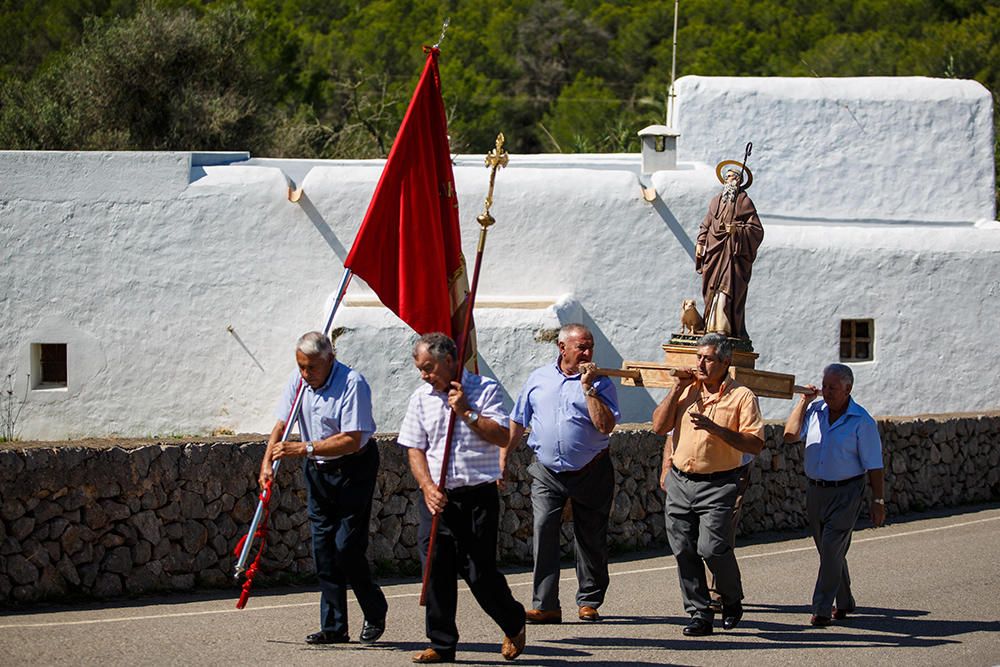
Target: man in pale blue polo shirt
x,y
341,463
571,410
842,444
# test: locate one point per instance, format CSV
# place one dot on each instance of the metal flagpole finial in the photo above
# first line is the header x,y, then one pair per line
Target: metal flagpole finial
x,y
495,159
444,29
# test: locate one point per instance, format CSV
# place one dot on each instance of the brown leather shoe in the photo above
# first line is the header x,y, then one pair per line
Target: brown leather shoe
x,y
432,655
820,621
512,646
589,614
841,614
543,616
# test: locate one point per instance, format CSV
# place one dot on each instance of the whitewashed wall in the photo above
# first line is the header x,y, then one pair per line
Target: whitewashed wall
x,y
891,149
140,262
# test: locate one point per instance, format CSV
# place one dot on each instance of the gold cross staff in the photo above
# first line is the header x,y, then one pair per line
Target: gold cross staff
x,y
495,159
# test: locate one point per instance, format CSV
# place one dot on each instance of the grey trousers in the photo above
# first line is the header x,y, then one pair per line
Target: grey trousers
x,y
699,520
832,513
591,494
741,488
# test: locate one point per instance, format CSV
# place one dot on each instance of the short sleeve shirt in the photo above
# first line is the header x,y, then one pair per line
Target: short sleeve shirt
x,y
847,448
342,405
553,404
473,460
735,407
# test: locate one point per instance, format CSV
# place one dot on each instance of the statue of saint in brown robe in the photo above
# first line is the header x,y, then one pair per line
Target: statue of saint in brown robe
x,y
727,247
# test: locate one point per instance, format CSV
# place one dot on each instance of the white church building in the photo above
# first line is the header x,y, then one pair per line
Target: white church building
x,y
161,293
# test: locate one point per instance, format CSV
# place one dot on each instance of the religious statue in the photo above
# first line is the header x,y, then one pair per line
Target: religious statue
x,y
726,249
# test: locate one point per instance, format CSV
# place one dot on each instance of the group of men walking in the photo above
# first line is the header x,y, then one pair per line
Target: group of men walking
x,y
716,428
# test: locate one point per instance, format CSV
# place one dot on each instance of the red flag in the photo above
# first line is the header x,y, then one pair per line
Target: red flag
x,y
409,248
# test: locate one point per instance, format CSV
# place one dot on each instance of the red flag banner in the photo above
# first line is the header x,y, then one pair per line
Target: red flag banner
x,y
409,248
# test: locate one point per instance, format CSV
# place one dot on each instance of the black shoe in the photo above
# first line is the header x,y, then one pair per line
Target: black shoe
x,y
820,621
324,637
698,627
731,616
371,631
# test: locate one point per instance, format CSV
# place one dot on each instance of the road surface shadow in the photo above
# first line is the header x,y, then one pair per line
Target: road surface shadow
x,y
480,653
881,628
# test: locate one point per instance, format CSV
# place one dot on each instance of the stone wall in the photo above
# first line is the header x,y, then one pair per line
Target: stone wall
x,y
99,522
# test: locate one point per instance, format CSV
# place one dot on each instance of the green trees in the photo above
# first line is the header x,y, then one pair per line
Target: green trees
x,y
331,78
156,81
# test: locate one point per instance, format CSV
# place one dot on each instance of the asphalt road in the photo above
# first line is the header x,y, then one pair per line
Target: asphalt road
x,y
928,589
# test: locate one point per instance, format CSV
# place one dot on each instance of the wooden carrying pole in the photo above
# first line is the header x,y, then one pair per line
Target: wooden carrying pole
x,y
495,159
744,375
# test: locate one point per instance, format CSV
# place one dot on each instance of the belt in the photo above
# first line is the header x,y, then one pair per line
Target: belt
x,y
474,488
706,476
840,482
344,459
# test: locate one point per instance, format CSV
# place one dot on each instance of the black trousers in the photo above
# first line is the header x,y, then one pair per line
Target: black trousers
x,y
467,547
340,506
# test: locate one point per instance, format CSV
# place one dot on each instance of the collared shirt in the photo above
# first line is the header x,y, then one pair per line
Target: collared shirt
x,y
847,448
735,407
563,436
342,405
473,460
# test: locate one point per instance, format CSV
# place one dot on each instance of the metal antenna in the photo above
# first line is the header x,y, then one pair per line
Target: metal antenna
x,y
444,29
672,94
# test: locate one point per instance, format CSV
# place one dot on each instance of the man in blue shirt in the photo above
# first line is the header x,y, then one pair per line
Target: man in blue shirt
x,y
841,445
571,410
341,463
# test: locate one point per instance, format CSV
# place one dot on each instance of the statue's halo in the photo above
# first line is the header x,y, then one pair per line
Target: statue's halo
x,y
748,175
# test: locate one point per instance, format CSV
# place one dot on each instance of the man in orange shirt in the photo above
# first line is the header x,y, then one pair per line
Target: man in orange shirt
x,y
714,420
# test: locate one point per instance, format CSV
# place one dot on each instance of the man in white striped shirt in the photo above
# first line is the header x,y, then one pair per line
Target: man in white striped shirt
x,y
470,505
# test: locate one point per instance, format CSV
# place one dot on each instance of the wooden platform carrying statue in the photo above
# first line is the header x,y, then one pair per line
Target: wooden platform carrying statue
x,y
728,239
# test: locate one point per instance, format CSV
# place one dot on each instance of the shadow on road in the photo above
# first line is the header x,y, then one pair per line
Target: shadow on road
x,y
480,653
882,628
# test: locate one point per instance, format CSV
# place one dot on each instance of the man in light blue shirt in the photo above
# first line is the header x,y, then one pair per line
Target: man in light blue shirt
x,y
341,464
571,410
841,445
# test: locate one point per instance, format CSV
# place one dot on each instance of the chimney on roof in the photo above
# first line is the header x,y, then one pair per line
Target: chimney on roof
x,y
659,148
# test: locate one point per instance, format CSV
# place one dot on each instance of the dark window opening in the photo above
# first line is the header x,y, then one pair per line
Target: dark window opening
x,y
50,365
857,340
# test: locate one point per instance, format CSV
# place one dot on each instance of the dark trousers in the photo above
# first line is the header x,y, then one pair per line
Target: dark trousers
x,y
699,519
340,506
590,492
466,546
832,513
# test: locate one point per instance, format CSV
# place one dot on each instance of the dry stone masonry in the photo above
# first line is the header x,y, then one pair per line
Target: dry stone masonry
x,y
90,522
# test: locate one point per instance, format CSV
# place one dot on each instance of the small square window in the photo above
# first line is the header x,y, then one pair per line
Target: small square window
x,y
857,340
49,368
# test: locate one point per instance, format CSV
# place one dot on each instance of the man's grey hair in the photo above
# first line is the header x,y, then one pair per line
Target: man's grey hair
x,y
571,329
314,344
438,345
841,371
723,348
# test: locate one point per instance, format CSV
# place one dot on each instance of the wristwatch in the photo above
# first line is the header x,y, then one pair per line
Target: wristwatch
x,y
879,501
310,449
591,391
471,418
